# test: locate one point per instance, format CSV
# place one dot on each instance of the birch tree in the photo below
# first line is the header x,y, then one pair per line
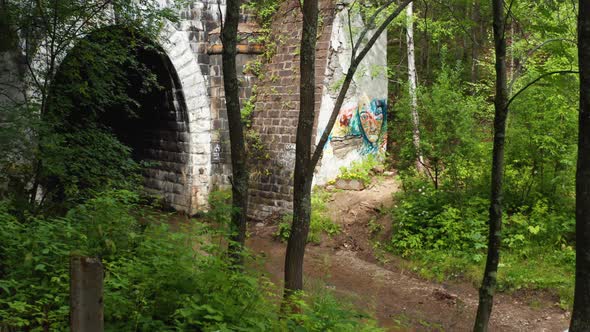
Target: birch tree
x,y
412,83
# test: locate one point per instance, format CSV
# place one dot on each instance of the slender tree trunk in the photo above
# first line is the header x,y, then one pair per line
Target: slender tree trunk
x,y
305,162
488,286
303,173
412,82
512,62
236,131
581,312
475,17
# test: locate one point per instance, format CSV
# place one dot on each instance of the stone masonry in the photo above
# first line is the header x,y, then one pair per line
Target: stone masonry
x,y
201,153
277,107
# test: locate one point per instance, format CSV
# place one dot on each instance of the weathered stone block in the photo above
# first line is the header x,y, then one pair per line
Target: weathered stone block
x,y
349,184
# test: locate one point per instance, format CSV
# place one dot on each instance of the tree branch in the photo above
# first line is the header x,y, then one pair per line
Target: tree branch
x,y
370,23
508,13
557,72
350,34
66,40
530,53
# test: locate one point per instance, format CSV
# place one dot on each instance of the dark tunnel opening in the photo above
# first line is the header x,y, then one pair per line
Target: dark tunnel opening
x,y
138,100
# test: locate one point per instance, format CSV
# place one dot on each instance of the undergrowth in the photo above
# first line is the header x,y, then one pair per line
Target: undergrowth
x,y
320,220
445,237
441,218
361,170
157,277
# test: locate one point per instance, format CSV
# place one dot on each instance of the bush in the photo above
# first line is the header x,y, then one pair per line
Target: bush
x,y
176,280
445,235
320,221
323,312
426,219
360,170
34,278
156,279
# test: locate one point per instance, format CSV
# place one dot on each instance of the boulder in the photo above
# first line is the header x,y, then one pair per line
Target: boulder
x,y
378,169
350,184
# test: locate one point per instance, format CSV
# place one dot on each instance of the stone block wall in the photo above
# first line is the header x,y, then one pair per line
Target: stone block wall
x,y
277,108
193,48
247,51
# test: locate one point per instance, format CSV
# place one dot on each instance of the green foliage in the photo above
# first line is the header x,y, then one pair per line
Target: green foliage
x,y
247,110
18,152
79,153
320,220
428,219
34,275
264,10
75,168
157,278
220,206
442,225
445,235
323,312
169,284
550,271
374,227
450,139
441,216
361,170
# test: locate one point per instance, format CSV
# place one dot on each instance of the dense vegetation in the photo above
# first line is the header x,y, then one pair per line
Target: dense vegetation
x,y
178,276
441,218
159,277
162,272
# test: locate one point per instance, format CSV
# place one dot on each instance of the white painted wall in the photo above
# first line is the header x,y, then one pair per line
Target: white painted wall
x,y
370,83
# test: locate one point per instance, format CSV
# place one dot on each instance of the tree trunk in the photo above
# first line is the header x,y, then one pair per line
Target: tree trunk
x,y
236,131
303,174
581,312
412,78
305,162
488,286
475,17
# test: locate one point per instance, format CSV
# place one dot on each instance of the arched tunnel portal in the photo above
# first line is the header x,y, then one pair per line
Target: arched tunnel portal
x,y
118,82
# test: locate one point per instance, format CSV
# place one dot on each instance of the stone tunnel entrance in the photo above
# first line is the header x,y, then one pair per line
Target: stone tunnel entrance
x,y
128,87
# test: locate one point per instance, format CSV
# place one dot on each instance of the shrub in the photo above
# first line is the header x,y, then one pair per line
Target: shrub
x,y
320,220
425,219
360,170
323,312
156,279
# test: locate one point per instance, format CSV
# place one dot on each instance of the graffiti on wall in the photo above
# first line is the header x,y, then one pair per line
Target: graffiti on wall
x,y
287,158
367,121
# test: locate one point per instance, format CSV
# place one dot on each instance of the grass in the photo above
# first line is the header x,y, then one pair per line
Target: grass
x,y
361,170
544,270
320,223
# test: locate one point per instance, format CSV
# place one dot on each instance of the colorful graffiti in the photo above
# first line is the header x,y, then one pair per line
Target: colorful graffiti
x,y
366,120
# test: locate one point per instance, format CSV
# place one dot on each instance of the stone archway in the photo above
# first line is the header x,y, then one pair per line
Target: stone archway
x,y
171,127
195,90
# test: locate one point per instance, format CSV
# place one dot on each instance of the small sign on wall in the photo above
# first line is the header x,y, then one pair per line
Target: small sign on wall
x,y
216,153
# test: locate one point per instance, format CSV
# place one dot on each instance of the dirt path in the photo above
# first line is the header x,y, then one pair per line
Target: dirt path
x,y
400,300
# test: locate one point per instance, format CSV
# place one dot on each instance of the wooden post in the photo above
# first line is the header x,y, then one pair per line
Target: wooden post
x,y
86,289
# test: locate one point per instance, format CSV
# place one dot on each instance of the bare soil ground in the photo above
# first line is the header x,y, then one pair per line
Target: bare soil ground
x,y
399,299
